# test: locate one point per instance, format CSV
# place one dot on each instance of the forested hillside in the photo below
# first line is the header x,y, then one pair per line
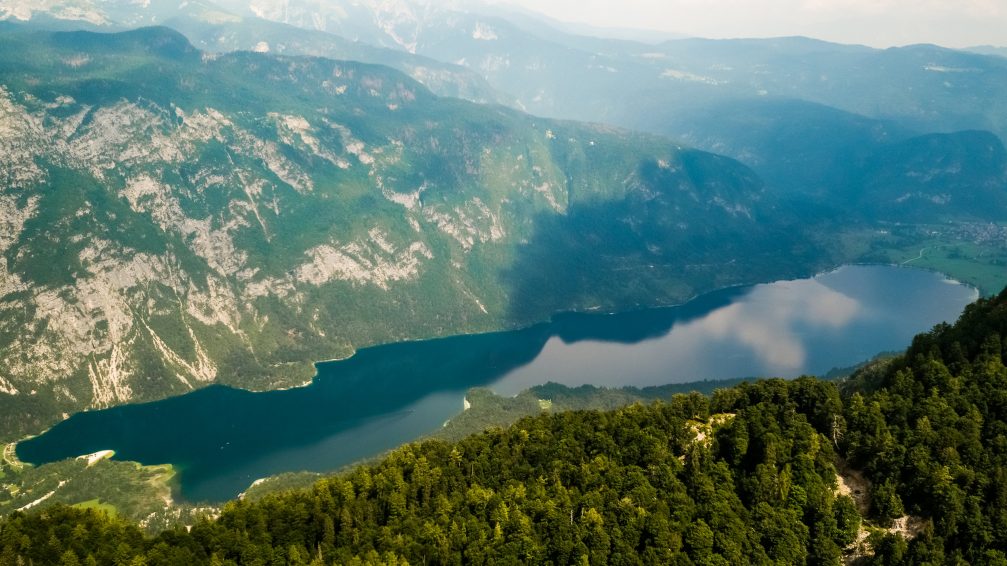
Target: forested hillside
x,y
931,432
747,475
673,482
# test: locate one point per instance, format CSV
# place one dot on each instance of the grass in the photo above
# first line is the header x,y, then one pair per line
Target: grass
x,y
96,504
981,263
983,266
975,269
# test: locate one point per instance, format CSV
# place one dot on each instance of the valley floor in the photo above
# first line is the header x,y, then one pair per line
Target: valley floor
x,y
973,253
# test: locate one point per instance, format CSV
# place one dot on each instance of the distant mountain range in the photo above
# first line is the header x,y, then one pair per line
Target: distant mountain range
x,y
989,50
214,28
805,114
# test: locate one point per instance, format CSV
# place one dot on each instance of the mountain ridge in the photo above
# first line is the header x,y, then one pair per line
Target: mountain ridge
x,y
174,223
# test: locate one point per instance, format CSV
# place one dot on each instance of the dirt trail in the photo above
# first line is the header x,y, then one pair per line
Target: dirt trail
x,y
854,484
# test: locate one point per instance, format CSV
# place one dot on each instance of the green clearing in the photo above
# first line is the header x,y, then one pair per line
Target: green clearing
x,y
96,504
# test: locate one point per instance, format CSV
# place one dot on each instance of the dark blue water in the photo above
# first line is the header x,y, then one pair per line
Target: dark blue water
x,y
222,439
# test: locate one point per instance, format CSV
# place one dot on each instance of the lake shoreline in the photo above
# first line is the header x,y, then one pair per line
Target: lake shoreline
x,y
426,381
550,320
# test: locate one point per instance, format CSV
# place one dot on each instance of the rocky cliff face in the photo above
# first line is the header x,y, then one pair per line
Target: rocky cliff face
x,y
172,219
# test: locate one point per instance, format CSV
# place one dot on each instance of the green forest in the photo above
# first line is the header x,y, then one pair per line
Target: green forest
x,y
747,474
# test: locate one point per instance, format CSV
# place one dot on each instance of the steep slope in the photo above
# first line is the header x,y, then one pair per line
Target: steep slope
x,y
928,432
860,168
938,177
175,218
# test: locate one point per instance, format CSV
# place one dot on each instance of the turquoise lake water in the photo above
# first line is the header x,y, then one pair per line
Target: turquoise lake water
x,y
222,439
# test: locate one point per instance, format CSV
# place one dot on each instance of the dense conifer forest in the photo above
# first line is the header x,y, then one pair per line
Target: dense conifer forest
x,y
746,475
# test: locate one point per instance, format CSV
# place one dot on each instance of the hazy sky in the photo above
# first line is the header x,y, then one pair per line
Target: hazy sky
x,y
879,23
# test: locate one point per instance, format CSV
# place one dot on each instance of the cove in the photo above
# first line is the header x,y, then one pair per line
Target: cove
x,y
221,439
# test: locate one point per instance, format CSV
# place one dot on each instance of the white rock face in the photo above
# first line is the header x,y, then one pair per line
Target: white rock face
x,y
374,261
689,77
144,246
484,32
61,9
411,201
91,324
148,158
20,136
469,224
6,387
147,195
295,131
396,23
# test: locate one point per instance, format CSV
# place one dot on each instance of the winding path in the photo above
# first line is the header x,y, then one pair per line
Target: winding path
x,y
917,257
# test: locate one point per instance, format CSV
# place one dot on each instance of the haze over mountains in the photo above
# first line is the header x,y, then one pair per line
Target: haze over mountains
x,y
680,89
293,180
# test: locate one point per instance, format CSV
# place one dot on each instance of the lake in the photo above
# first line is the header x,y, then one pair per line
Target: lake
x,y
221,439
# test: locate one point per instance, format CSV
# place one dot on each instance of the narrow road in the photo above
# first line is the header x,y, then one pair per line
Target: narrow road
x,y
917,257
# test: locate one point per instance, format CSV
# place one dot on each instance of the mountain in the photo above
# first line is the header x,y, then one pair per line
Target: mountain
x,y
937,176
386,23
807,115
112,14
650,87
175,218
547,71
860,167
254,34
573,32
214,28
988,50
798,147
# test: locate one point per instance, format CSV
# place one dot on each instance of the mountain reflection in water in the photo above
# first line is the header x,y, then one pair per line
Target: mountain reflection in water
x,y
222,439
